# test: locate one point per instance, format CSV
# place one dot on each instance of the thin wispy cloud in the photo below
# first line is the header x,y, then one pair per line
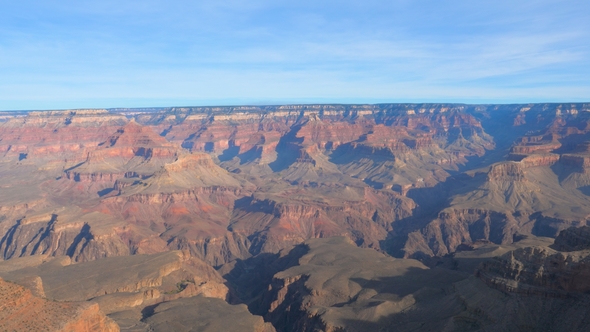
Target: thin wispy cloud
x,y
59,54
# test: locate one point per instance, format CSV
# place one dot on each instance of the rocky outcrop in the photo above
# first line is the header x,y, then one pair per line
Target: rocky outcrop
x,y
454,227
538,271
365,217
133,151
573,239
264,136
303,166
153,193
536,148
21,311
576,160
64,137
338,287
510,171
541,270
124,283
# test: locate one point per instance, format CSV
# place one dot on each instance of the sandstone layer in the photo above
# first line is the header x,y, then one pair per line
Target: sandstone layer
x,y
21,311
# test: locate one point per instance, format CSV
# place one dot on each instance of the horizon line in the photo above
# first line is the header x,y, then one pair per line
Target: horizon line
x,y
285,104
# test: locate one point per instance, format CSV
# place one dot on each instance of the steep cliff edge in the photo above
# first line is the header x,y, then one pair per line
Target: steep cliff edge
x,y
310,170
541,270
94,190
332,285
278,220
537,195
133,150
56,138
573,239
337,286
124,283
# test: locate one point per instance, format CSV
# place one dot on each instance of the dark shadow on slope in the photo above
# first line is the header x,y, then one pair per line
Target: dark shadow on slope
x,y
546,226
287,150
83,235
373,184
186,144
149,310
248,204
45,234
289,315
209,147
105,192
23,251
74,167
434,304
430,202
500,125
571,143
229,153
165,131
412,281
585,190
563,171
250,155
249,279
7,240
346,153
189,142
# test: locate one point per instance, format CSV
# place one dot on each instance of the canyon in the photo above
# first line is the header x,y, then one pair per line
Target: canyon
x,y
297,217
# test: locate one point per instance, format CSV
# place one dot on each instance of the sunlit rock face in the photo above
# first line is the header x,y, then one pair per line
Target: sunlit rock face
x,y
22,311
229,182
198,200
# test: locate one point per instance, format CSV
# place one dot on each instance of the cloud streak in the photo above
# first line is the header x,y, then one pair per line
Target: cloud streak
x,y
101,54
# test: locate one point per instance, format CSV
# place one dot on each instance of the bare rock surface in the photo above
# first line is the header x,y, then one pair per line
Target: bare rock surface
x,y
172,193
21,311
405,148
573,239
121,283
543,270
204,314
337,286
332,285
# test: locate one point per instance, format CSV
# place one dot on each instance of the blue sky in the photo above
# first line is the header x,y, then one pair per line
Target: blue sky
x,y
76,54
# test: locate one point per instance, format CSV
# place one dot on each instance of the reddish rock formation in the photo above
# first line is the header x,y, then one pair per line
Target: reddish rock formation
x,y
21,311
226,183
132,151
535,148
310,170
123,283
540,160
293,218
64,136
510,171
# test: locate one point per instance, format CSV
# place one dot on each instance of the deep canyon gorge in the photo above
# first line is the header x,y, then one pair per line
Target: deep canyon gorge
x,y
386,217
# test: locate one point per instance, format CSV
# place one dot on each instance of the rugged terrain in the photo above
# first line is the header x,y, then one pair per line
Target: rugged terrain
x,y
332,285
22,311
150,212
